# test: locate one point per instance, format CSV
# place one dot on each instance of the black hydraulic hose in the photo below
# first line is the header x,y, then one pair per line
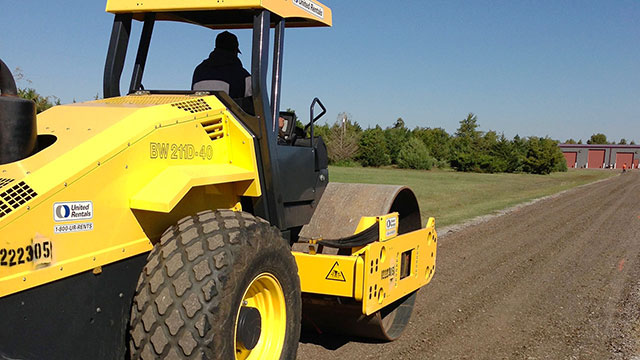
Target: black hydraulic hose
x,y
7,83
364,237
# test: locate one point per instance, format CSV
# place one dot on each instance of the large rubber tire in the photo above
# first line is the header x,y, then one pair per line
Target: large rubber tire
x,y
189,294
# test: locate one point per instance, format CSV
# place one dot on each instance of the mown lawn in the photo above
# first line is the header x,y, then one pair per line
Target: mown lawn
x,y
452,197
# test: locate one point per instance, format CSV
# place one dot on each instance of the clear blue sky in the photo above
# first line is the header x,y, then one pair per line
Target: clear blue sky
x,y
554,67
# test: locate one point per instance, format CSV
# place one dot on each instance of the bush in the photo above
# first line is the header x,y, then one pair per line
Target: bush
x,y
347,163
478,162
414,155
442,164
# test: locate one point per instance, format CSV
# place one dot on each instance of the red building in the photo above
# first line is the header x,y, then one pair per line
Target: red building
x,y
601,156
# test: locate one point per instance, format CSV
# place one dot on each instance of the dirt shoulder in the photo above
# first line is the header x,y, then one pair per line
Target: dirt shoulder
x,y
557,279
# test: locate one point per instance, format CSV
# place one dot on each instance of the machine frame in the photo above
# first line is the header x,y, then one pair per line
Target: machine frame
x,y
83,288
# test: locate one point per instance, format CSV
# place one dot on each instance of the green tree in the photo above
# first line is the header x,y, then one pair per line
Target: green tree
x,y
467,137
507,155
469,127
414,155
598,138
570,141
468,148
623,141
519,151
543,156
488,141
396,137
399,123
373,149
437,141
519,144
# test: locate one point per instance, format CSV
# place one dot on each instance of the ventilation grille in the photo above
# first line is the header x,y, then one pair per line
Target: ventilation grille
x,y
16,196
4,209
214,128
142,100
4,182
193,106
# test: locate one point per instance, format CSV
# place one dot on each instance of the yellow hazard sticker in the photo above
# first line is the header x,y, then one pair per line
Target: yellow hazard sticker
x,y
335,273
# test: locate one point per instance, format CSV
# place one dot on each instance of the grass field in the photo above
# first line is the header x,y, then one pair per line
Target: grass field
x,y
452,197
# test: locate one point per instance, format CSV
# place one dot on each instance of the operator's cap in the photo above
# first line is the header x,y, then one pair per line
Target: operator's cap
x,y
227,41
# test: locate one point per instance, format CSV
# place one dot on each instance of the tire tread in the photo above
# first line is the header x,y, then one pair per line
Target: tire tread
x,y
169,317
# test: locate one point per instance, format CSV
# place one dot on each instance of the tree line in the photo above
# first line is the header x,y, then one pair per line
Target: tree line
x,y
468,149
600,139
421,148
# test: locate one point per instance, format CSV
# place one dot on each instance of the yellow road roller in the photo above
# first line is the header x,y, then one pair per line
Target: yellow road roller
x,y
170,224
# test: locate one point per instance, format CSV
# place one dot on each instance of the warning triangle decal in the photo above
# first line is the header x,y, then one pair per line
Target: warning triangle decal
x,y
335,273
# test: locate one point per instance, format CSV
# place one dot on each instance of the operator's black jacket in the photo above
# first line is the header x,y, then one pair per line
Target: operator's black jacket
x,y
222,71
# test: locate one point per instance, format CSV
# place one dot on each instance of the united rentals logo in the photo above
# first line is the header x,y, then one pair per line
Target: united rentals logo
x,y
392,227
310,7
71,211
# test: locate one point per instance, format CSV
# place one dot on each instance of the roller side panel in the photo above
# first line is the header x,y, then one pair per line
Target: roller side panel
x,y
337,216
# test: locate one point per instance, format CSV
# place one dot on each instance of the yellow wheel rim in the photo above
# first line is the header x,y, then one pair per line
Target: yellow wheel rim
x,y
265,294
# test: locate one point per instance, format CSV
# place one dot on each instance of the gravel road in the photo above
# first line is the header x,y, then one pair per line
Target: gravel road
x,y
559,279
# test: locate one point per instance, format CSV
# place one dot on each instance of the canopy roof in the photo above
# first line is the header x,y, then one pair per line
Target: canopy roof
x,y
226,14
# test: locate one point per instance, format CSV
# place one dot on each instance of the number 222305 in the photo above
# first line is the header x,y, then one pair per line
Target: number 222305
x,y
22,255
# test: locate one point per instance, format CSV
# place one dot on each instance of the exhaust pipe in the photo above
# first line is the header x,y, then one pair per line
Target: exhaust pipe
x,y
18,131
